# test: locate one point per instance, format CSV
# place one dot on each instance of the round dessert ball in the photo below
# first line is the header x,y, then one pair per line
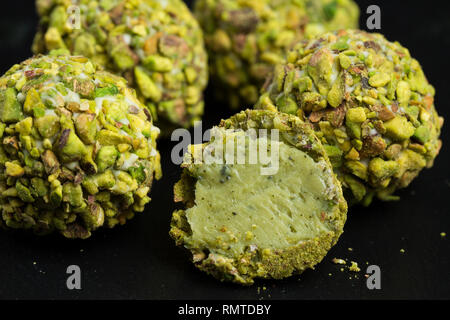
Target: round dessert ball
x,y
156,45
368,101
78,149
242,222
245,39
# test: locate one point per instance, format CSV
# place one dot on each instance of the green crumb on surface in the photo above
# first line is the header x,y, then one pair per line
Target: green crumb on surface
x,y
338,261
354,267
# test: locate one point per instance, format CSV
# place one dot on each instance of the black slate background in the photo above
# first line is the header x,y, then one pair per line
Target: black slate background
x,y
140,261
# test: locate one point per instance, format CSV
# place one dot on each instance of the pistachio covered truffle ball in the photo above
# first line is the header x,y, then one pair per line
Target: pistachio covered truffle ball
x,y
156,45
246,38
77,149
370,104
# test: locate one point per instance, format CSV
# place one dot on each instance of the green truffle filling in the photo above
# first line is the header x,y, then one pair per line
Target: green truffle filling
x,y
237,207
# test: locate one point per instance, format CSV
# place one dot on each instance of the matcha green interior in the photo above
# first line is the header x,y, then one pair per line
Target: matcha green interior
x,y
236,206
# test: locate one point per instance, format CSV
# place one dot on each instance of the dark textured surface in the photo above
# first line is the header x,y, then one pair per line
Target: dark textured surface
x,y
140,261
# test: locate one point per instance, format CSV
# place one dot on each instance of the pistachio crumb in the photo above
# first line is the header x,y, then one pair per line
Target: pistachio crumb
x,y
354,267
338,261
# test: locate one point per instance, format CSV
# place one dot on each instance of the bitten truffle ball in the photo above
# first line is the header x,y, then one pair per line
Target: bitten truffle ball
x,y
247,219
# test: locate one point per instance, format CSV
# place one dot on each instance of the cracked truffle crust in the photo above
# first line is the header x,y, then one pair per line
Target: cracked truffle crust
x,y
239,224
156,45
370,104
245,39
78,149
